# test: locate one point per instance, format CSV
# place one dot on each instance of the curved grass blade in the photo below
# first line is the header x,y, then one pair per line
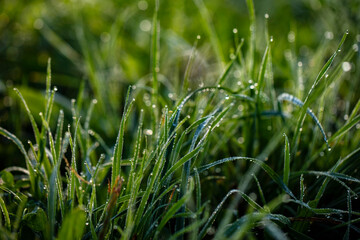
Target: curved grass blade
x,y
298,102
29,165
275,177
32,120
211,220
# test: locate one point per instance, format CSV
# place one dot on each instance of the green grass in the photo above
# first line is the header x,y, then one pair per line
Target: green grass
x,y
244,154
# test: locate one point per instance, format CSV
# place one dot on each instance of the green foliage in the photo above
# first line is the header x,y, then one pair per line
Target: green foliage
x,y
184,150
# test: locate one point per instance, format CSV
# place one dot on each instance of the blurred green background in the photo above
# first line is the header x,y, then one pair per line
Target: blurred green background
x,y
103,47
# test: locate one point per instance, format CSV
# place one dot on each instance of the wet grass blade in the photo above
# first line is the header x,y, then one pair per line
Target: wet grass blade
x,y
286,161
5,213
29,165
120,140
32,120
298,102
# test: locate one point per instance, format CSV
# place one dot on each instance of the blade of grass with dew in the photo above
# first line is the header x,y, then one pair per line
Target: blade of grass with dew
x,y
226,72
174,208
261,76
52,199
211,219
30,168
306,104
261,193
286,161
32,121
73,168
5,214
298,102
335,137
120,140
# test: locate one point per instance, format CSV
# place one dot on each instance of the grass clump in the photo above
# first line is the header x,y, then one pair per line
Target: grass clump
x,y
228,159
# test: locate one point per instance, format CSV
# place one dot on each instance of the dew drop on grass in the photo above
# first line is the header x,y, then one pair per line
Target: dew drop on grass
x,y
271,39
357,126
291,37
346,66
329,149
142,5
198,37
355,47
235,31
252,86
55,89
94,101
322,154
329,35
148,132
266,15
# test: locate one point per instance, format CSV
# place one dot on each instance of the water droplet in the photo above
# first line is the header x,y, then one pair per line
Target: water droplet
x,y
153,106
218,85
346,66
86,223
142,5
239,83
322,154
266,16
329,149
94,101
73,100
55,89
198,37
300,129
227,97
346,117
271,39
252,86
355,48
300,64
235,30
148,132
145,25
329,35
